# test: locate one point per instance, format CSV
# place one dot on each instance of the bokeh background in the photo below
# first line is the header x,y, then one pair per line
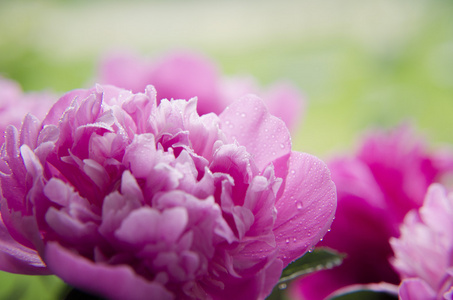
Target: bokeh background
x,y
360,64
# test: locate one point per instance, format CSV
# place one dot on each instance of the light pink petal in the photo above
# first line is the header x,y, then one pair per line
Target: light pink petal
x,y
141,226
29,131
264,136
140,155
112,282
415,289
57,110
306,209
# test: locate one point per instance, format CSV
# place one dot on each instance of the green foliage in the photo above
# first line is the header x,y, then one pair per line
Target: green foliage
x,y
318,259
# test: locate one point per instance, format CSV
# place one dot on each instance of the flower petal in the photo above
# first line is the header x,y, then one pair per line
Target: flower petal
x,y
306,208
248,122
112,282
16,258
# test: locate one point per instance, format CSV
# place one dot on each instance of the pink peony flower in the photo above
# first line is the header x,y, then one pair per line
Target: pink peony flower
x,y
124,198
387,178
423,251
184,75
14,104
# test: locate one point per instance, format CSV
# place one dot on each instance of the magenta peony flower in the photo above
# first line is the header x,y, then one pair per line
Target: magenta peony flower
x,y
387,178
128,199
185,75
14,104
423,251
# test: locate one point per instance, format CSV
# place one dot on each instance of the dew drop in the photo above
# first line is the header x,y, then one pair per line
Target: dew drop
x,y
294,240
287,241
243,115
282,286
299,205
282,146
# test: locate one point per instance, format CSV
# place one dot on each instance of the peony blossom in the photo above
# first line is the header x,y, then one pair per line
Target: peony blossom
x,y
423,251
184,75
127,199
388,177
14,104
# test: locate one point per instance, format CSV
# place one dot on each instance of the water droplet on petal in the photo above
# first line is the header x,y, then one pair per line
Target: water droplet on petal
x,y
282,286
287,241
299,205
294,240
243,115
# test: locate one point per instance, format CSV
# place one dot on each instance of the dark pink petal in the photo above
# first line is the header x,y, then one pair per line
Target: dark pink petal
x,y
256,287
112,282
305,210
248,122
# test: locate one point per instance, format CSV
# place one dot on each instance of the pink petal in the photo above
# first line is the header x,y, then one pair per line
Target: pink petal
x,y
306,209
112,282
415,289
16,258
265,136
254,287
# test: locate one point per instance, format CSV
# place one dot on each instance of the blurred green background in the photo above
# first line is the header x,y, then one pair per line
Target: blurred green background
x,y
360,64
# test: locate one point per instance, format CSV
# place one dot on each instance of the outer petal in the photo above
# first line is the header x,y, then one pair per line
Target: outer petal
x,y
265,136
306,208
112,282
16,258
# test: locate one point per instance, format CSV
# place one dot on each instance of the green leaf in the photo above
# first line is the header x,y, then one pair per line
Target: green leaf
x,y
366,295
319,259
